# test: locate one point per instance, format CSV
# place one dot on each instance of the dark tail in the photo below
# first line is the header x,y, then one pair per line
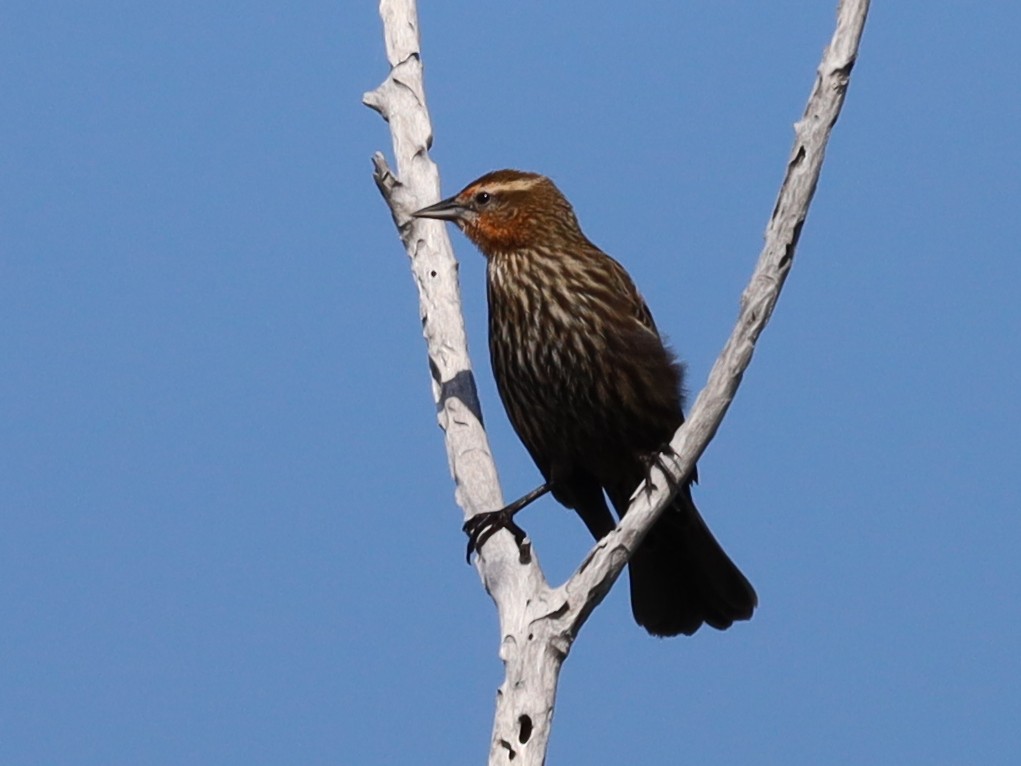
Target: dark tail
x,y
681,578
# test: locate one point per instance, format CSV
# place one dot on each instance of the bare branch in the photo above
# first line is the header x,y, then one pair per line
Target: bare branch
x,y
812,132
537,623
525,700
401,102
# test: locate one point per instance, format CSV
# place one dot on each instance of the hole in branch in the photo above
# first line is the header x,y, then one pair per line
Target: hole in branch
x,y
526,729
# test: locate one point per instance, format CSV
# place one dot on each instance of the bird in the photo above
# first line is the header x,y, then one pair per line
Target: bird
x,y
592,391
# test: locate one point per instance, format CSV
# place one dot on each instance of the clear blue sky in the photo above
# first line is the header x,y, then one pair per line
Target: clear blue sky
x,y
227,527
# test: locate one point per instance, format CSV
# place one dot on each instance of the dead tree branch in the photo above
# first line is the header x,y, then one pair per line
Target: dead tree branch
x,y
538,624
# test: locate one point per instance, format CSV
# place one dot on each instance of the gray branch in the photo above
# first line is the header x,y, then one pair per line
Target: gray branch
x,y
538,624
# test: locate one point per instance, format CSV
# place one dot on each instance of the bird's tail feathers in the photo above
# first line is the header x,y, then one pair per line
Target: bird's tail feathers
x,y
681,577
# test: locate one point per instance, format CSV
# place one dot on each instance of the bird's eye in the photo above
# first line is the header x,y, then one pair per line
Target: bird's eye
x,y
482,198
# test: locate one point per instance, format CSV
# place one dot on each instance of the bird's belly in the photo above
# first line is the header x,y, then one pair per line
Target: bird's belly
x,y
550,385
584,391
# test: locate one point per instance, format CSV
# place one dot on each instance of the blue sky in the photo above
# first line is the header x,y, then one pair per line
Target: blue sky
x,y
227,527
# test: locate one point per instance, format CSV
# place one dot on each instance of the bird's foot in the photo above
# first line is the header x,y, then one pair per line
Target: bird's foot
x,y
482,526
656,459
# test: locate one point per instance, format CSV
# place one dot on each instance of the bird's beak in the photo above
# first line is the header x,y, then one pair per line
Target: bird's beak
x,y
445,210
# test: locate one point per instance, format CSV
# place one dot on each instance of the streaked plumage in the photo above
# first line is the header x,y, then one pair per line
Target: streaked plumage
x,y
591,389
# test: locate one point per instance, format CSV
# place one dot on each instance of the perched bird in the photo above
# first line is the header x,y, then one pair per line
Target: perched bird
x,y
591,390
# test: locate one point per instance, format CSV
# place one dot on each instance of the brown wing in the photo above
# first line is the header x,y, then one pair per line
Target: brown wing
x,y
665,375
638,308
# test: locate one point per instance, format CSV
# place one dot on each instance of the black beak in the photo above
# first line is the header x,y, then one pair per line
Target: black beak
x,y
445,210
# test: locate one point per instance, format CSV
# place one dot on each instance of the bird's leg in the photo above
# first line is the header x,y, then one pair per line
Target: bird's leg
x,y
482,526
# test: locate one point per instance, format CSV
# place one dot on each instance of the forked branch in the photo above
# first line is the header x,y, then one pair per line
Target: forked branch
x,y
539,623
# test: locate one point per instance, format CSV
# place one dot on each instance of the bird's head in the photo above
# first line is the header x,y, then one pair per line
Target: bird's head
x,y
508,210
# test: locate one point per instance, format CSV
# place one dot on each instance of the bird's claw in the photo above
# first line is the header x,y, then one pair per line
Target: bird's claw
x,y
482,526
656,459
